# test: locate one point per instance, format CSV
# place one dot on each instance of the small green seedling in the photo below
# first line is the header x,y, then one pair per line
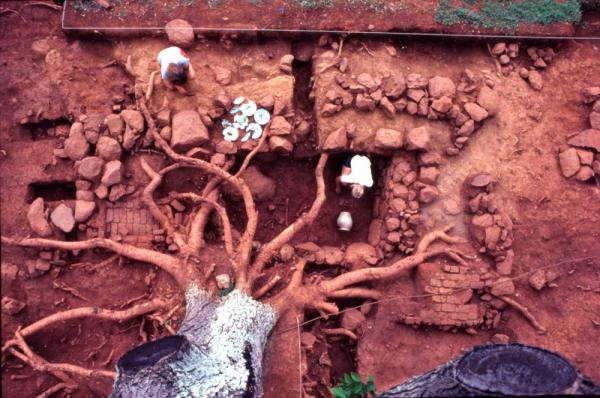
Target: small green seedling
x,y
350,386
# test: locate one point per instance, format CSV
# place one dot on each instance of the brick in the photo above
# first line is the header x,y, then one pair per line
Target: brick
x,y
448,307
435,282
449,283
476,285
431,289
439,299
445,290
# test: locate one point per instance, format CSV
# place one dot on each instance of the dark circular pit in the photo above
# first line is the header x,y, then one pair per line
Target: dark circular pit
x,y
515,369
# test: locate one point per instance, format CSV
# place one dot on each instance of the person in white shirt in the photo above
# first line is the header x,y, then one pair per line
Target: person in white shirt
x,y
356,173
175,68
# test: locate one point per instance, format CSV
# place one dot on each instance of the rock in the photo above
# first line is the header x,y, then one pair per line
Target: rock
x,y
222,75
352,319
303,128
12,306
108,148
359,255
9,272
412,107
166,133
467,128
595,120
261,186
589,138
415,94
336,141
286,253
584,174
540,63
499,48
423,107
387,107
392,223
428,194
430,159
280,145
591,94
394,86
280,126
503,287
90,167
441,86
398,205
115,125
504,59
504,267
329,109
40,48
476,112
524,73
367,80
113,173
569,162
133,119
101,191
308,247
62,217
222,101
91,136
415,80
180,33
596,167
374,234
481,180
332,255
442,104
84,195
388,139
535,80
489,100
117,191
226,147
429,175
418,139
267,102
285,63
37,218
452,207
308,340
84,210
500,338
163,118
585,157
76,146
364,102
187,131
492,234
537,280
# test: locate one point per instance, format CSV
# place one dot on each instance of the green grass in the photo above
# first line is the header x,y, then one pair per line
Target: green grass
x,y
351,386
378,6
508,15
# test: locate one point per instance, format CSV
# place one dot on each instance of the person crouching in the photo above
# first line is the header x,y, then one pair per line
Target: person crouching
x,y
175,68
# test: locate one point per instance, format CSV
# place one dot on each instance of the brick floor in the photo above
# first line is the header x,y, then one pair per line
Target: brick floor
x,y
131,221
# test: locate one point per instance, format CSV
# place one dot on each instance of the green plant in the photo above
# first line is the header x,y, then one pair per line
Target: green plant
x,y
351,386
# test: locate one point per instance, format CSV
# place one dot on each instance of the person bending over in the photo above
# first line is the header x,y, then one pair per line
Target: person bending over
x,y
175,68
356,173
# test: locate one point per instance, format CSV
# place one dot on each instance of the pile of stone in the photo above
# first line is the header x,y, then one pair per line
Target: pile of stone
x,y
505,53
402,191
357,255
490,228
581,159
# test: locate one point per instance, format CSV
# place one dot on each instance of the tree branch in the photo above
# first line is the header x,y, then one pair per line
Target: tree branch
x,y
288,233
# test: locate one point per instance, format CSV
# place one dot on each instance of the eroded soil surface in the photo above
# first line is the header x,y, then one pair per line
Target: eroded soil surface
x,y
50,80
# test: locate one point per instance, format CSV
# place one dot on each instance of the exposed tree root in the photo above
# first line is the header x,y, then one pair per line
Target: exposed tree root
x,y
252,153
9,11
166,262
150,86
526,313
54,389
340,332
267,287
355,292
269,250
51,6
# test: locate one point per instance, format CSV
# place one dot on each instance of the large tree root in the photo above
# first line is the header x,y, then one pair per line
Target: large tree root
x,y
19,348
526,313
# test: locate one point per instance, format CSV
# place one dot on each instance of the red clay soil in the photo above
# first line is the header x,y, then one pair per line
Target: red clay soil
x,y
412,16
566,226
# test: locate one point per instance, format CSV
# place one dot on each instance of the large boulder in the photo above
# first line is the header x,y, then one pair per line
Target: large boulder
x,y
476,112
90,168
535,80
76,146
37,218
418,139
84,210
359,255
180,33
113,173
108,148
115,125
261,186
441,86
569,162
63,218
280,126
388,139
336,141
489,100
589,138
188,131
280,145
134,126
